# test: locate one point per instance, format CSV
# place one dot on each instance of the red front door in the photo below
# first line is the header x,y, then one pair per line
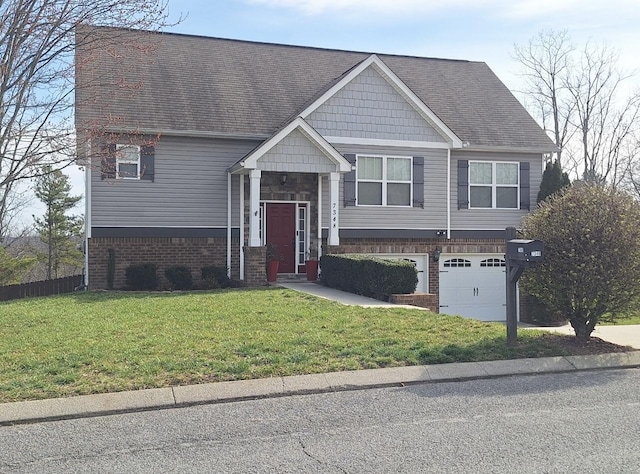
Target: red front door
x,y
281,233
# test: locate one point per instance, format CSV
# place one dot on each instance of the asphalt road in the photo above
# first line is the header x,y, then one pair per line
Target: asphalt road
x,y
586,422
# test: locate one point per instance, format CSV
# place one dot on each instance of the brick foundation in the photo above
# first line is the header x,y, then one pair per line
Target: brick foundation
x,y
165,252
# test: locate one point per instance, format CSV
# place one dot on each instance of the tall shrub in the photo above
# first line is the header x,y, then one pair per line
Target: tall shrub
x,y
592,254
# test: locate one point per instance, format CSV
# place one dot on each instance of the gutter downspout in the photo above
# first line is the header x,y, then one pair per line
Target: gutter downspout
x,y
448,193
228,224
241,227
87,213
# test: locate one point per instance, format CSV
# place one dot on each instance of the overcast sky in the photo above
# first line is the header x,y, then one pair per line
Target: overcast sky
x,y
479,30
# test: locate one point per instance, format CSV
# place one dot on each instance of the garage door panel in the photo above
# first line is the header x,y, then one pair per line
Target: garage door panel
x,y
473,286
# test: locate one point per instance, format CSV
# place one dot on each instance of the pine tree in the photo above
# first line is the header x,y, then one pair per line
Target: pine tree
x,y
553,180
58,231
13,269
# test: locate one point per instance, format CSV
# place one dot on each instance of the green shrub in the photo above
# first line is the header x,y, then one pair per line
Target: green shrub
x,y
368,276
142,277
591,236
179,277
538,313
218,274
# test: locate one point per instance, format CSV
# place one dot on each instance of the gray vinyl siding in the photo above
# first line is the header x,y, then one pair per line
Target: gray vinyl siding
x,y
189,190
434,214
295,153
492,219
369,107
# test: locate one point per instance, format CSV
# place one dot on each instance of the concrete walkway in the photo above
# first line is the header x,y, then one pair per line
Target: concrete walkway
x,y
173,397
332,294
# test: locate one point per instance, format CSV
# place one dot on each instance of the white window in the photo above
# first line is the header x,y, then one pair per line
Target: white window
x,y
384,181
127,162
302,235
457,263
494,185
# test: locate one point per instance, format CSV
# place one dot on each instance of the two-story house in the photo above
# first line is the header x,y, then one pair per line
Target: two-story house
x,y
204,150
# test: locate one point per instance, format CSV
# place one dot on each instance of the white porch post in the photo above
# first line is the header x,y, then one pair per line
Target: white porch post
x,y
334,219
319,246
254,208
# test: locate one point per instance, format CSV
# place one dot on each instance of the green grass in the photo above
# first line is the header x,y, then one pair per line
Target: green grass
x,y
632,317
100,342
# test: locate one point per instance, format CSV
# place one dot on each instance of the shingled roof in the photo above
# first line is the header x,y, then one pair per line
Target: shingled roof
x,y
195,84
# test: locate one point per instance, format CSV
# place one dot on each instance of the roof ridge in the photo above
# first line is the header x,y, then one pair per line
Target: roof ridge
x,y
282,45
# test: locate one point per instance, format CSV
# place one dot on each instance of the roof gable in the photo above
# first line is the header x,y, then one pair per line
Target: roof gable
x,y
371,70
306,147
371,105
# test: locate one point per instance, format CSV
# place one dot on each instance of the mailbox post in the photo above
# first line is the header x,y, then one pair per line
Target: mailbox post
x,y
520,254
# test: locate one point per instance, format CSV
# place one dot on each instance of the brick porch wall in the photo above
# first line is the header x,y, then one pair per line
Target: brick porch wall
x,y
165,252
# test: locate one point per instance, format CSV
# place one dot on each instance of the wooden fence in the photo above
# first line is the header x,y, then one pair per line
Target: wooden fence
x,y
41,288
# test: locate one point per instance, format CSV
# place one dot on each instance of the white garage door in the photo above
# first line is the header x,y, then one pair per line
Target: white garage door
x,y
421,263
473,286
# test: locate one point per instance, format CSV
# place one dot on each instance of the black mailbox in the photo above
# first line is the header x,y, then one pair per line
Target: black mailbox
x,y
525,253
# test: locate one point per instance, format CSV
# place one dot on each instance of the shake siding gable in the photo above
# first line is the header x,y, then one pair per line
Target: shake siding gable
x,y
295,153
189,187
369,107
493,219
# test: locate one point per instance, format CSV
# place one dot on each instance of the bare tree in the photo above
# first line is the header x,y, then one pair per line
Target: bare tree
x,y
546,64
604,122
37,42
577,97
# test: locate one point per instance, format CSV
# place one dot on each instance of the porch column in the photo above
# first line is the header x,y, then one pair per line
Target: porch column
x,y
334,220
254,208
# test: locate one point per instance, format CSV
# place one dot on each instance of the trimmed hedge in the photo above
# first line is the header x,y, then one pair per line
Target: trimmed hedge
x,y
142,277
368,276
216,277
179,277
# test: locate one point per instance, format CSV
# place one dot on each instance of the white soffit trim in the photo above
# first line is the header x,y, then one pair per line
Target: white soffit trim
x,y
386,143
513,149
251,160
397,84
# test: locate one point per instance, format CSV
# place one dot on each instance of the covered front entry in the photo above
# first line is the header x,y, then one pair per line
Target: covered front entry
x,y
281,234
298,150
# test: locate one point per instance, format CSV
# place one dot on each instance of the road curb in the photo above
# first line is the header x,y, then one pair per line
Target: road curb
x,y
224,392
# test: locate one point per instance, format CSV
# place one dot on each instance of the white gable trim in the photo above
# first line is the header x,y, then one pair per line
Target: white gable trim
x,y
251,160
400,87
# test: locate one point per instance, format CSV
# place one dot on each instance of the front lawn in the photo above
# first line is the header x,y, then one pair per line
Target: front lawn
x,y
112,341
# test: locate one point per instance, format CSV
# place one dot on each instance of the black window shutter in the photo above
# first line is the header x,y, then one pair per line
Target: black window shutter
x,y
350,182
525,194
463,184
108,161
147,163
418,181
